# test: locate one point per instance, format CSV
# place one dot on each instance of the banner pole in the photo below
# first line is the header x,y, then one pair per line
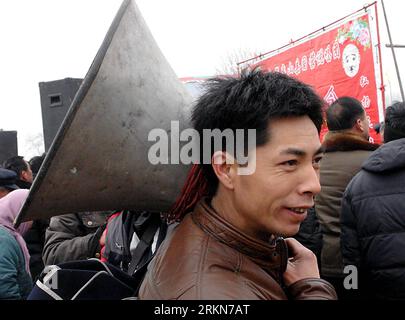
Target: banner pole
x,y
382,86
393,52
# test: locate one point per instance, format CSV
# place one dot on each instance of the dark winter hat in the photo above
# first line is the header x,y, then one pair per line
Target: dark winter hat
x,y
8,179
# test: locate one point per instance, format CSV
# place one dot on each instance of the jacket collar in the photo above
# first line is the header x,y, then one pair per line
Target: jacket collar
x,y
23,184
345,141
272,257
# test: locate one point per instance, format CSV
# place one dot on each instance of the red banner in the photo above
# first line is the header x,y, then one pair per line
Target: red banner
x,y
343,61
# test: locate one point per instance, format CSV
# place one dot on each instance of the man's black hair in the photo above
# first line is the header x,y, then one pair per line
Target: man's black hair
x,y
16,164
36,162
394,122
343,113
251,101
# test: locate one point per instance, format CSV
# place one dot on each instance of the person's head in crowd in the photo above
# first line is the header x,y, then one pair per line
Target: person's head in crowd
x,y
287,117
7,182
35,163
394,126
21,167
348,114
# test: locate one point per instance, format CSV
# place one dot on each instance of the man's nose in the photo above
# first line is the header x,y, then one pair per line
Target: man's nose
x,y
310,184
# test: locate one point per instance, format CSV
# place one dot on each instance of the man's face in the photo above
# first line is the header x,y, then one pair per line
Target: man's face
x,y
275,198
26,175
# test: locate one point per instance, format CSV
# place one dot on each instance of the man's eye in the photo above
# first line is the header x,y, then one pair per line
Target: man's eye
x,y
317,161
290,163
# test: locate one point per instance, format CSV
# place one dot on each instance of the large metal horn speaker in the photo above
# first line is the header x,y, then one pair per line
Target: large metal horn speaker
x,y
99,158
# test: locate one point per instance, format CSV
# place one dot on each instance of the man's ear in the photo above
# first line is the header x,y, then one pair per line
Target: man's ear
x,y
224,166
359,125
24,175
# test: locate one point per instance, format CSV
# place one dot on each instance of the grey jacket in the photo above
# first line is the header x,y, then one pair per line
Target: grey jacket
x,y
74,237
344,154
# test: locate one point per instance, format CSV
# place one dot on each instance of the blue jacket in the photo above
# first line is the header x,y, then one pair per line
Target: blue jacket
x,y
373,223
15,282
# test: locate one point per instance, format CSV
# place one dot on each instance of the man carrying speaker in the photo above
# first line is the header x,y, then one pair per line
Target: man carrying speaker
x,y
230,241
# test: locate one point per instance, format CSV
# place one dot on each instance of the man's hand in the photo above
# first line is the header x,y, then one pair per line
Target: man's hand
x,y
302,263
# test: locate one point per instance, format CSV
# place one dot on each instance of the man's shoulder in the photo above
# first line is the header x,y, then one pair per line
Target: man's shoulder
x,y
346,142
188,263
189,240
349,162
182,247
367,185
344,154
192,264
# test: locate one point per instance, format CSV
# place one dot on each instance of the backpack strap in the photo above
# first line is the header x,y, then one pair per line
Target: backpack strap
x,y
144,243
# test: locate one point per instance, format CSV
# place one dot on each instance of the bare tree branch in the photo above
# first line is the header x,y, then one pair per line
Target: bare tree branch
x,y
229,62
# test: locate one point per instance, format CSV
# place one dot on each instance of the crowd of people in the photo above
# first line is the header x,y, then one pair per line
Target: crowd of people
x,y
286,231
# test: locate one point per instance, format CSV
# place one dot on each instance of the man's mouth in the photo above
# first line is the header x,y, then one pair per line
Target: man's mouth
x,y
298,210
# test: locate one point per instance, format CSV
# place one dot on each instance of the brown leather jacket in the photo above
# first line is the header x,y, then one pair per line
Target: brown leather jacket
x,y
208,258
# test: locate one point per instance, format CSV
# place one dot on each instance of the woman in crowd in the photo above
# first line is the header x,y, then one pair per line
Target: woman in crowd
x,y
15,278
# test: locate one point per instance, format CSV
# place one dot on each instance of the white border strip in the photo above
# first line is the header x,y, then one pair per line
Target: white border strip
x,y
377,60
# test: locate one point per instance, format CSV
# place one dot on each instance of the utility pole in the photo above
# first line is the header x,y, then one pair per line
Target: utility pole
x,y
395,46
392,46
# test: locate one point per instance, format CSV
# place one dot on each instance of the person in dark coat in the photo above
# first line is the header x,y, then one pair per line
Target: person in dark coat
x,y
373,216
310,234
346,147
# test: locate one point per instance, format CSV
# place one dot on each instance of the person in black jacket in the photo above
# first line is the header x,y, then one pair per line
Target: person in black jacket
x,y
373,216
310,234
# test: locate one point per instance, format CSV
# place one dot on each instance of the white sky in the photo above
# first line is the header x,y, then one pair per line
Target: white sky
x,y
46,40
